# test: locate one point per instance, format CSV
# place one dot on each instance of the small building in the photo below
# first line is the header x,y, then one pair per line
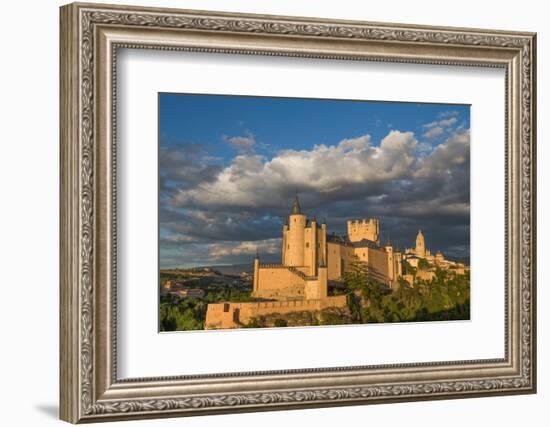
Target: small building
x,y
427,275
413,260
409,278
191,293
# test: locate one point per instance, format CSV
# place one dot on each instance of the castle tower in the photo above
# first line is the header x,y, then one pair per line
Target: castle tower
x,y
420,250
256,272
294,237
322,254
284,243
368,229
310,255
390,260
398,262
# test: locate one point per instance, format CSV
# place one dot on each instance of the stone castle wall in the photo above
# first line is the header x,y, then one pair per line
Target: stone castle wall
x,y
237,314
380,262
279,282
364,229
341,257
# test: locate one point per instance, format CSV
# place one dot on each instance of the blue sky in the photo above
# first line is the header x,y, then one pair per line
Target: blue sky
x,y
230,165
288,123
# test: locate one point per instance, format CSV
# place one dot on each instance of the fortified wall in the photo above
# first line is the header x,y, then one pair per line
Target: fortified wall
x,y
237,314
383,263
271,276
282,282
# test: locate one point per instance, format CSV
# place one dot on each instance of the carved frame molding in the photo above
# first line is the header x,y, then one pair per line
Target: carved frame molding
x,y
90,37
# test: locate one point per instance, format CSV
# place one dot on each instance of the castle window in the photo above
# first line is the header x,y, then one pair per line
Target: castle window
x,y
307,245
288,246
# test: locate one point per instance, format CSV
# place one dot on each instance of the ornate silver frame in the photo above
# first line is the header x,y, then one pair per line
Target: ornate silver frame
x,y
90,36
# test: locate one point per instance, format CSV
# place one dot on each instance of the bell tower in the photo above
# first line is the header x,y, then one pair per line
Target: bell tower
x,y
420,249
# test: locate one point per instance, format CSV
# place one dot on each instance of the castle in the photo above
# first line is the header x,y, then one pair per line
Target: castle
x,y
310,259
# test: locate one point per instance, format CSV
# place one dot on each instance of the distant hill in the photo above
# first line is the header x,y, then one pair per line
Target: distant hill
x,y
233,269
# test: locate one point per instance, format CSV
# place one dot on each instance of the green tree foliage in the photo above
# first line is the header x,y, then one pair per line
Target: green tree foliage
x,y
445,297
423,264
228,295
183,314
256,322
280,323
409,269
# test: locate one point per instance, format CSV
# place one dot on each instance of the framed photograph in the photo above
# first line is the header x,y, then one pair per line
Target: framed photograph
x,y
266,212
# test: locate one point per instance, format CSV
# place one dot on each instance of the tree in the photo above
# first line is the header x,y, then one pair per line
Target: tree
x,y
409,269
280,323
423,264
445,297
256,322
357,276
355,281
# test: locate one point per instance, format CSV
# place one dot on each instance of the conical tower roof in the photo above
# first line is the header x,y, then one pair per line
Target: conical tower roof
x,y
296,209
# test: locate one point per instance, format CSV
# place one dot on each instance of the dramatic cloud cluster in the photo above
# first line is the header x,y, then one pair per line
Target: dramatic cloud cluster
x,y
324,169
186,166
226,212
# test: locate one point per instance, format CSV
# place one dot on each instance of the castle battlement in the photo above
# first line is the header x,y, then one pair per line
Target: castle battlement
x,y
364,229
362,220
236,314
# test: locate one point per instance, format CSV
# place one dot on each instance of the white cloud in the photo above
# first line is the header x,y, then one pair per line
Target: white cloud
x,y
445,114
455,151
433,132
178,238
242,143
437,128
228,249
447,122
251,181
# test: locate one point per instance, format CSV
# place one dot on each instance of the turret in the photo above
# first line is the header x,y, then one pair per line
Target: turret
x,y
311,252
391,267
256,271
323,253
398,261
294,251
284,243
296,208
